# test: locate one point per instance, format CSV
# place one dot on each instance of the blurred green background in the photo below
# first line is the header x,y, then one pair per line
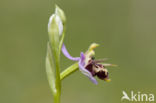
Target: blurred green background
x,y
125,30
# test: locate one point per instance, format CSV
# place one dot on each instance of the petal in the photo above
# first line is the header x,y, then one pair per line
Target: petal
x,y
65,52
85,71
82,59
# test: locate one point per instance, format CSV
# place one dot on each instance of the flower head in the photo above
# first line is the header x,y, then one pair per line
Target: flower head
x,y
88,65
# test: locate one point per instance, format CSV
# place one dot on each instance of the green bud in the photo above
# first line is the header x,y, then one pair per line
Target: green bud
x,y
58,23
53,30
61,14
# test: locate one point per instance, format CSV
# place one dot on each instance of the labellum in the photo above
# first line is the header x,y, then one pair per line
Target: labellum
x,y
97,69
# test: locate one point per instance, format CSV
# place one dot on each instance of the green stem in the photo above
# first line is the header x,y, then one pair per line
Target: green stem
x,y
69,71
57,83
57,97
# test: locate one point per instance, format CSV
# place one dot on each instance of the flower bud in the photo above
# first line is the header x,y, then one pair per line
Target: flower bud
x,y
61,14
58,23
54,31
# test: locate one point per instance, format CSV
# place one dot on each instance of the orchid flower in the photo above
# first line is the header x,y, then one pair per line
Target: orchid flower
x,y
86,62
88,65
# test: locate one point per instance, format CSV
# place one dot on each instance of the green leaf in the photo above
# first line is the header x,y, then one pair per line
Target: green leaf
x,y
50,69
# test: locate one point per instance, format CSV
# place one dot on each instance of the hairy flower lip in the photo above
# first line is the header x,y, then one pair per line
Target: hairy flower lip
x,y
84,70
97,69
